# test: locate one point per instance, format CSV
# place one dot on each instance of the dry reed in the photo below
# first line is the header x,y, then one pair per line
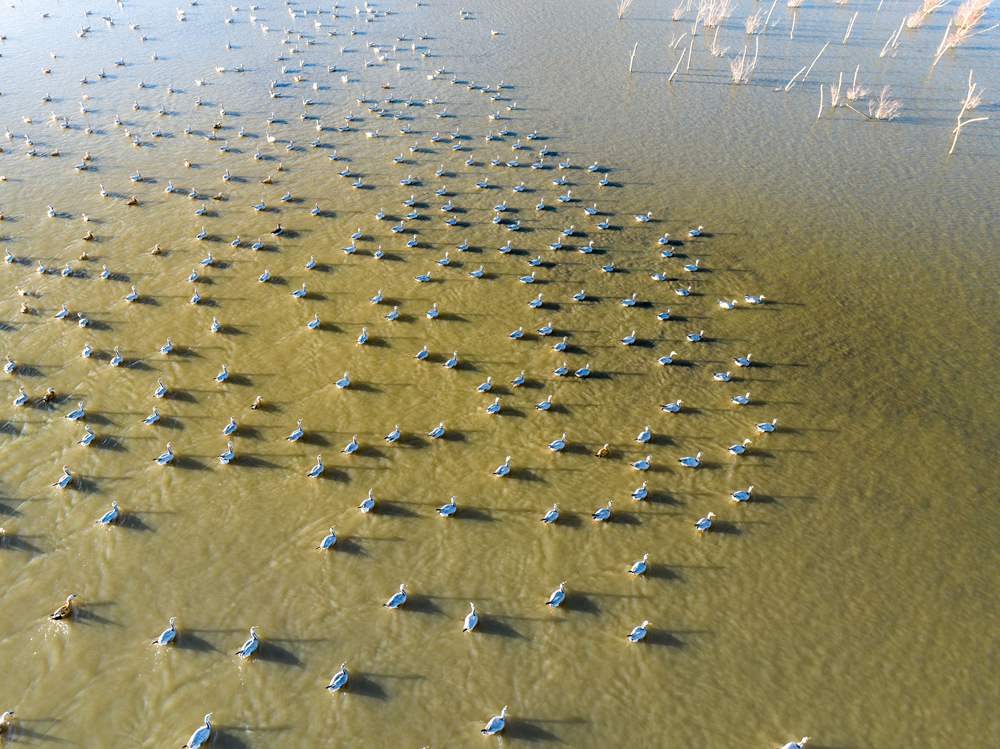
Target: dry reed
x,y
835,91
962,26
741,69
884,107
754,23
850,28
856,92
623,6
713,13
973,98
916,19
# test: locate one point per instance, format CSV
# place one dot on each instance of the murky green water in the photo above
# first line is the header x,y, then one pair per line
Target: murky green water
x,y
852,600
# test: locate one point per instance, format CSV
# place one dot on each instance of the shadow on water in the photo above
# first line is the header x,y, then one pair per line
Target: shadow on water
x,y
131,521
581,604
537,729
25,732
496,626
12,542
365,686
272,652
188,639
422,605
394,510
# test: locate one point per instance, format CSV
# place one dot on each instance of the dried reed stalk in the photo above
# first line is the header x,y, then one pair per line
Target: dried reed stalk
x,y
962,26
916,19
850,28
884,108
973,98
623,7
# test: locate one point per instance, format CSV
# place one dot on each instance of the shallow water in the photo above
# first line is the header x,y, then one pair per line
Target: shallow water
x,y
851,600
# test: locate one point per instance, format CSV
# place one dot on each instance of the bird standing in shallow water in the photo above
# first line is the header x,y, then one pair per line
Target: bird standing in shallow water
x,y
250,647
471,619
201,736
640,567
397,599
339,680
65,611
639,633
168,635
496,724
329,541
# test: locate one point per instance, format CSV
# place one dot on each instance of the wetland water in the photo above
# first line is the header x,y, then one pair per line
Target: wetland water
x,y
852,600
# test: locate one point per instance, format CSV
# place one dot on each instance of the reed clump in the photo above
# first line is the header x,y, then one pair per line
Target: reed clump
x,y
712,13
963,26
622,8
916,19
884,107
742,69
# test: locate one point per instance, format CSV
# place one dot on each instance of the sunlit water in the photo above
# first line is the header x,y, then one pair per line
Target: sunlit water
x,y
852,600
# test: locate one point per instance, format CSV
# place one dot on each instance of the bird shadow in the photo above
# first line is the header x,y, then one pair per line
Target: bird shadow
x,y
581,604
188,640
271,652
365,686
394,509
661,572
525,729
423,605
132,522
495,626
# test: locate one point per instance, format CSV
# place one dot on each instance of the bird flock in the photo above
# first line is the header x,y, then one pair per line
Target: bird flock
x,y
445,165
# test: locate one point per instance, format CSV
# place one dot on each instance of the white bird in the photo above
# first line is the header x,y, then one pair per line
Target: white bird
x,y
398,599
111,516
250,646
639,567
691,461
645,436
641,493
495,724
643,464
317,470
766,427
558,596
471,619
703,524
339,680
503,469
741,400
602,514
796,744
552,515
168,635
739,448
351,447
639,633
368,503
672,408
448,509
167,456
329,540
201,736
742,495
